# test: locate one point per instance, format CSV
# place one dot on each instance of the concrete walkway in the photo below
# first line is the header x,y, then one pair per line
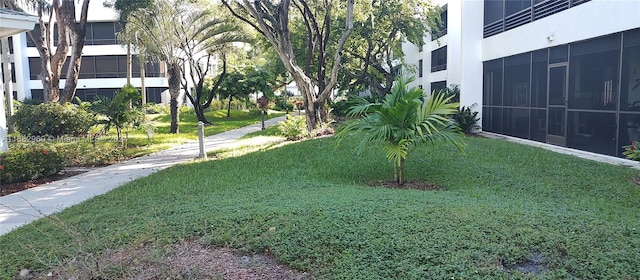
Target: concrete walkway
x,y
21,208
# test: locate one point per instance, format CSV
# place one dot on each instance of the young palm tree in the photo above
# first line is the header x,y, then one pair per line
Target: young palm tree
x,y
403,119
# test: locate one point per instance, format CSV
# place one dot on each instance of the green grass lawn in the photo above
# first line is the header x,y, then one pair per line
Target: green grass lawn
x,y
188,128
504,205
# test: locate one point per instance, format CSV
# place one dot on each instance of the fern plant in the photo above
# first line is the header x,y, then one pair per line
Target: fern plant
x,y
403,119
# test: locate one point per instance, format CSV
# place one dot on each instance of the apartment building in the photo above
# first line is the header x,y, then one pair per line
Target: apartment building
x,y
103,66
563,72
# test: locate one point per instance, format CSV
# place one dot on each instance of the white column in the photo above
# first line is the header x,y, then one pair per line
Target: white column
x,y
471,54
21,61
3,124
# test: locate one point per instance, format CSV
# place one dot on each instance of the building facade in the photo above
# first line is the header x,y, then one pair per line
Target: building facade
x,y
563,72
103,67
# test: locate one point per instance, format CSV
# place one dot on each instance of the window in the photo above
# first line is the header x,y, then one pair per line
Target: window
x,y
514,6
630,95
539,70
420,68
502,15
439,59
492,85
559,54
103,33
516,122
37,94
441,27
538,125
593,78
438,86
493,11
106,66
592,131
34,68
516,80
87,68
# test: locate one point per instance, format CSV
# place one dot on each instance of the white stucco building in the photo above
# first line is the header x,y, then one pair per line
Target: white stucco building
x,y
103,67
564,72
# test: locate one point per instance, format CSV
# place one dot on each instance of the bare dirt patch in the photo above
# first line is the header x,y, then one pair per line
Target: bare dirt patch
x,y
186,260
417,185
535,265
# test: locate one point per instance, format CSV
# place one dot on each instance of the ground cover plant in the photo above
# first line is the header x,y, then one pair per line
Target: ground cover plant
x,y
503,211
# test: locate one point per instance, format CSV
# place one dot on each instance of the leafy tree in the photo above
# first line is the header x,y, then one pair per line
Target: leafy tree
x,y
239,84
120,112
374,52
402,119
275,21
211,36
178,32
71,34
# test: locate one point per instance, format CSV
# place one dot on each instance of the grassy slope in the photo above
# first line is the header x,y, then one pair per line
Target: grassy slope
x,y
307,205
188,129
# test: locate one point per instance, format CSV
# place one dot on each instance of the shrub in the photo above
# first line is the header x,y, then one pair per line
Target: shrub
x,y
119,113
294,128
216,105
283,104
79,153
341,108
152,108
52,119
632,151
466,119
255,112
28,164
184,109
452,91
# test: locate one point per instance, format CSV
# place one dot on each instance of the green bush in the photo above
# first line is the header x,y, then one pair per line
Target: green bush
x,y
153,108
52,119
452,90
28,164
632,151
216,105
235,104
294,128
283,104
466,119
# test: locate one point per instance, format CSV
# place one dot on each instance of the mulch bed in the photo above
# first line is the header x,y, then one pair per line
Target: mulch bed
x,y
417,185
6,189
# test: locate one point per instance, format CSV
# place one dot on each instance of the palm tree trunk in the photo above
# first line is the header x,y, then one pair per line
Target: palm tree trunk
x,y
400,179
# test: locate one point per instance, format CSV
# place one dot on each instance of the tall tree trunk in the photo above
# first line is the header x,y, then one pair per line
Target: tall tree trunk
x,y
173,75
199,109
400,179
8,84
229,107
77,34
128,63
143,90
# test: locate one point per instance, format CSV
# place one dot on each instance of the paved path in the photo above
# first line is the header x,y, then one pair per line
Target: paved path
x,y
26,206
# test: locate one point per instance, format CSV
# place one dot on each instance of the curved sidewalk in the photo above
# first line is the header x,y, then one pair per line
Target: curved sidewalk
x,y
23,207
